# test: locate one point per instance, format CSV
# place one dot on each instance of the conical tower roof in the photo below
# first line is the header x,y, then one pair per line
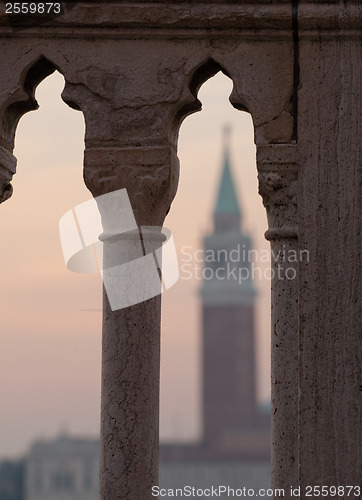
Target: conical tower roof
x,y
227,200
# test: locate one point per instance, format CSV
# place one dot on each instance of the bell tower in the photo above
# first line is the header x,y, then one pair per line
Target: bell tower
x,y
228,296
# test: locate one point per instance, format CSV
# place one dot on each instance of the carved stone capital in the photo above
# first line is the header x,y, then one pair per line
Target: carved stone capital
x,y
150,175
277,174
7,170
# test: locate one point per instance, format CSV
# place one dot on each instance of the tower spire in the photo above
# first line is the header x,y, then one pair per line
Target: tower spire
x,y
226,136
227,210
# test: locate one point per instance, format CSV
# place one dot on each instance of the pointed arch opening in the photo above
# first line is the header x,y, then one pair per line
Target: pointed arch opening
x,y
23,100
190,347
204,72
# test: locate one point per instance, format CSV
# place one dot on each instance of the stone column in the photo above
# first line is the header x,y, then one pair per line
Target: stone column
x,y
330,225
131,336
277,185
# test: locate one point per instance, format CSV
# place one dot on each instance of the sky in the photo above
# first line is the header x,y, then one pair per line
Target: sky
x,y
50,331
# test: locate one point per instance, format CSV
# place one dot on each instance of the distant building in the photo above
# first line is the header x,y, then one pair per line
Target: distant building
x,y
62,469
12,480
234,426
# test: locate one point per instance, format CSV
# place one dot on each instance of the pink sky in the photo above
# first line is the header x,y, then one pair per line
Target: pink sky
x,y
50,344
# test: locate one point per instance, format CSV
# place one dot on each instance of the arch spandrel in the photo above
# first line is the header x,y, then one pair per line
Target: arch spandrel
x,y
262,74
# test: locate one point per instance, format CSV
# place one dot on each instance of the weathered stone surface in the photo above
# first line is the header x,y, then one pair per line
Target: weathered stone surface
x,y
329,219
131,336
134,70
150,176
130,410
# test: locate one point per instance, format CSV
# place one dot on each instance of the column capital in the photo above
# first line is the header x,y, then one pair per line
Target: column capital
x,y
277,174
149,173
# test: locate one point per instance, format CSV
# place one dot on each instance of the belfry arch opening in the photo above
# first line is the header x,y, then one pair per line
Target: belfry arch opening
x,y
51,331
201,149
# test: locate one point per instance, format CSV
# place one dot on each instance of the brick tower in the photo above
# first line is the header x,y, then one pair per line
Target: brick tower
x,y
229,389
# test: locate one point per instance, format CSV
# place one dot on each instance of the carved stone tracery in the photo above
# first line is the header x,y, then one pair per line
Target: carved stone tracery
x,y
150,175
278,176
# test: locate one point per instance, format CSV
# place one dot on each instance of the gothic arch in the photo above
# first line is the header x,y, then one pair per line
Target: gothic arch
x,y
25,76
268,100
20,99
23,99
195,78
